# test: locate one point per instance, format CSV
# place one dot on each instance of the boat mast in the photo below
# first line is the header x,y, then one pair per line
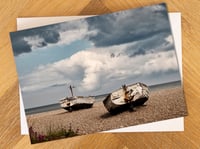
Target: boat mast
x,y
70,87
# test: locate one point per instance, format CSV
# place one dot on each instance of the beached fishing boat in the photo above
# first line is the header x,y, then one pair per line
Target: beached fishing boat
x,y
128,95
76,102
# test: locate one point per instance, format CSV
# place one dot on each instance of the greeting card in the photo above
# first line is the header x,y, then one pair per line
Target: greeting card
x,y
106,72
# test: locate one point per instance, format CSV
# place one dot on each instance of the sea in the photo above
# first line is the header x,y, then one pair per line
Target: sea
x,y
98,98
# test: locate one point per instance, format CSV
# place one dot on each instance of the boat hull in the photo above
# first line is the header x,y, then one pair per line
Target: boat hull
x,y
115,102
78,106
77,103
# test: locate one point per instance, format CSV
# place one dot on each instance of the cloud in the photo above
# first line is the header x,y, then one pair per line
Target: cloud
x,y
128,46
106,30
97,71
35,41
118,28
158,42
26,40
20,46
58,34
128,26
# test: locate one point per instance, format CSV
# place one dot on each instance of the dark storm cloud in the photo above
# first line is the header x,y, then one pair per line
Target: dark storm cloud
x,y
20,45
106,30
50,36
26,40
153,44
129,26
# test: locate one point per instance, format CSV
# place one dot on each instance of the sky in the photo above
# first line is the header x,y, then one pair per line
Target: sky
x,y
96,55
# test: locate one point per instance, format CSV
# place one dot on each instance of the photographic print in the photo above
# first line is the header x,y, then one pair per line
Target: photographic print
x,y
98,73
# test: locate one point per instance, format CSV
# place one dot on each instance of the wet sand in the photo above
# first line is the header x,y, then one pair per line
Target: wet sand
x,y
162,104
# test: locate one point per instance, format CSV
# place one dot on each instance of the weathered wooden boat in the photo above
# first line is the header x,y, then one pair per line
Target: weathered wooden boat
x,y
76,102
128,95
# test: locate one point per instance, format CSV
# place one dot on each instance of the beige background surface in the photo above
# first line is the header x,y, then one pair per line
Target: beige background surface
x,y
9,99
